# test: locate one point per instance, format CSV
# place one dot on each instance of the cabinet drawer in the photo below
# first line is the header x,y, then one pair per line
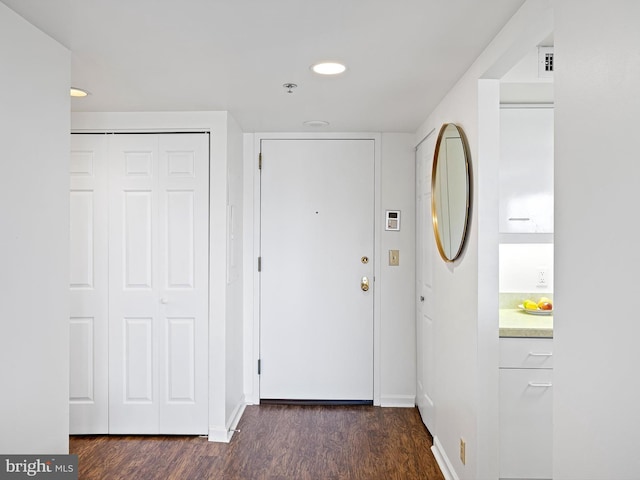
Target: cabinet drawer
x,y
526,425
526,353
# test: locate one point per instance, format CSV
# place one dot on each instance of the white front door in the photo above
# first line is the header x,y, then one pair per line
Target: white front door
x,y
425,248
158,283
317,249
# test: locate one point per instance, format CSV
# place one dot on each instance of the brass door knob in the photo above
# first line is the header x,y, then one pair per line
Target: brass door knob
x,y
364,284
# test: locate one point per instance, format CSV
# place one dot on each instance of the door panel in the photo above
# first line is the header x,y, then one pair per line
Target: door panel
x,y
82,368
88,285
81,205
138,361
317,215
181,359
137,233
180,240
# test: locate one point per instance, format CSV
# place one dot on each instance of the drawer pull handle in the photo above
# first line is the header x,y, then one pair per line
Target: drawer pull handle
x,y
540,385
519,219
540,354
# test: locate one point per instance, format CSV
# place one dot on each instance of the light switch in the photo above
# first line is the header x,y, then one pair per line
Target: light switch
x,y
394,258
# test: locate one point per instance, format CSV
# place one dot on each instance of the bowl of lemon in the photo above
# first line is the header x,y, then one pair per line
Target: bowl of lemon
x,y
544,306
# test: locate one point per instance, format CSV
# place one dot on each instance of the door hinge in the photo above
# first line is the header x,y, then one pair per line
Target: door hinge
x,y
260,161
259,264
259,367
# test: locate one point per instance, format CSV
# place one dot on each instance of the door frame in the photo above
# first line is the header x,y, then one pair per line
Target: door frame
x,y
252,285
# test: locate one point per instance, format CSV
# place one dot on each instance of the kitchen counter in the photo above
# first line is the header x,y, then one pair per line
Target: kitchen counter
x,y
513,322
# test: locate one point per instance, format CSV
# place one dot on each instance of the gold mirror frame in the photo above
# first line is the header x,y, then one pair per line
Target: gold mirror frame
x,y
450,191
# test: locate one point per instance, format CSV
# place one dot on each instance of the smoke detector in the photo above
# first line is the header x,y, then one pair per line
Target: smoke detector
x,y
289,87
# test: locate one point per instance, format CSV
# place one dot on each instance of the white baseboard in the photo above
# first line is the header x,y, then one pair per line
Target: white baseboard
x,y
402,401
223,435
218,434
235,417
445,465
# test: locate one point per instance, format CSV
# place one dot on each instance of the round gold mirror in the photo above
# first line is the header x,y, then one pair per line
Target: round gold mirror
x,y
450,191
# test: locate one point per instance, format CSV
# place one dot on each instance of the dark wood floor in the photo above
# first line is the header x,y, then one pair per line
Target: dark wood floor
x,y
275,442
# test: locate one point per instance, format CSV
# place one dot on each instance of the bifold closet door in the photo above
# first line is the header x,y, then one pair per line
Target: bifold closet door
x,y
158,283
139,283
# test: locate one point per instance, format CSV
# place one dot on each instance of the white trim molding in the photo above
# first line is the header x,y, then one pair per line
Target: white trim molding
x,y
398,401
217,434
445,465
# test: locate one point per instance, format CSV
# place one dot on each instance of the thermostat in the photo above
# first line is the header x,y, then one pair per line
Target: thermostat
x,y
393,220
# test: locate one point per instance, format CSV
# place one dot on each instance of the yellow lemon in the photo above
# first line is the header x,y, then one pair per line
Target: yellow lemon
x,y
530,305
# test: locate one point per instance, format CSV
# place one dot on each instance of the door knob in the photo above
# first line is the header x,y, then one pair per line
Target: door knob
x,y
364,284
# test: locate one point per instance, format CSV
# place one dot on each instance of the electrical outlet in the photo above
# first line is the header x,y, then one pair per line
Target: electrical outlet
x,y
543,277
394,258
463,451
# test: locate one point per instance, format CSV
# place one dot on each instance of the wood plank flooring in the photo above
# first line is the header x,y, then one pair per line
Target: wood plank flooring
x,y
275,442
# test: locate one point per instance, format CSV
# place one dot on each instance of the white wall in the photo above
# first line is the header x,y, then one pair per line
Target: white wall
x,y
394,351
34,227
466,292
397,284
596,359
520,264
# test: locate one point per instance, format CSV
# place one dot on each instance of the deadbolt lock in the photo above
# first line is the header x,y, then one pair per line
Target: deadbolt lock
x,y
364,260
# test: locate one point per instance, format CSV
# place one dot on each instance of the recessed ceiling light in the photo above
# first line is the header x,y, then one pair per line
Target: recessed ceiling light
x,y
315,123
328,68
78,92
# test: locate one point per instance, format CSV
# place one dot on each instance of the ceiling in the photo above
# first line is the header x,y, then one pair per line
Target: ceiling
x,y
402,56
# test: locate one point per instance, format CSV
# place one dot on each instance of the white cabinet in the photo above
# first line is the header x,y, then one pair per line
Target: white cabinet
x,y
526,170
526,423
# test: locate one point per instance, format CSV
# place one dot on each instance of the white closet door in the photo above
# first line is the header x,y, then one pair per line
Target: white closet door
x,y
425,251
88,283
158,264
